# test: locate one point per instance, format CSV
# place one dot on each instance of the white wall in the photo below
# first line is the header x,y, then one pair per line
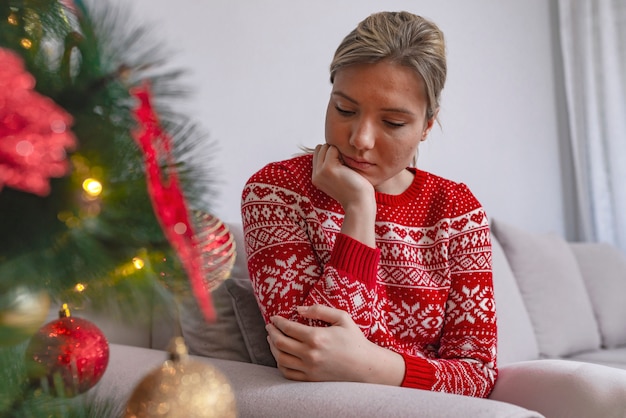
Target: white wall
x,y
260,71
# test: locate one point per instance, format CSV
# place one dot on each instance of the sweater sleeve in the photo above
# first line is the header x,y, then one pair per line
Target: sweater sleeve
x,y
464,362
290,259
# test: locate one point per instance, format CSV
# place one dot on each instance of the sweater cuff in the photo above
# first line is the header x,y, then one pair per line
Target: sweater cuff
x,y
356,259
418,373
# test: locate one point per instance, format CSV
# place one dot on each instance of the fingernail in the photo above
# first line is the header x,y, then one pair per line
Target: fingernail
x,y
302,309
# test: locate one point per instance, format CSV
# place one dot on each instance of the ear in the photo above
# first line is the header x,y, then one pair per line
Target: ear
x,y
429,125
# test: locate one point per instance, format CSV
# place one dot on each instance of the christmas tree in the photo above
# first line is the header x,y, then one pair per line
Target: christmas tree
x,y
102,196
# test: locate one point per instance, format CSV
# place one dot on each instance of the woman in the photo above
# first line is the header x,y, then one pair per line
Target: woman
x,y
366,268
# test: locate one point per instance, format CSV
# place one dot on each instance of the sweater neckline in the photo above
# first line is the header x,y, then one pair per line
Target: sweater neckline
x,y
410,194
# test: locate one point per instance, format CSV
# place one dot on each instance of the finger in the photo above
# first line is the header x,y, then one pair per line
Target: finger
x,y
281,340
286,362
282,358
332,153
284,342
316,152
297,332
293,374
333,316
318,157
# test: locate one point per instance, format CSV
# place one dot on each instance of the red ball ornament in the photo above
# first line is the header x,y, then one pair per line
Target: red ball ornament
x,y
68,355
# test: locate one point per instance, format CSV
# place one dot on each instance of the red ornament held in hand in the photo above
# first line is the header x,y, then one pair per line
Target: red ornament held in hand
x,y
68,355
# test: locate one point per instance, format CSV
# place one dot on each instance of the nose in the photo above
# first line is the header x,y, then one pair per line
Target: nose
x,y
363,135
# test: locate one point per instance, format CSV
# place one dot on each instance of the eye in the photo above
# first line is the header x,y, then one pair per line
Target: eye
x,y
394,124
343,111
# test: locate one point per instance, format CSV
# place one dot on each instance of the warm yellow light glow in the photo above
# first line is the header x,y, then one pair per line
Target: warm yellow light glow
x,y
26,43
12,19
72,222
92,187
63,216
138,263
126,269
80,287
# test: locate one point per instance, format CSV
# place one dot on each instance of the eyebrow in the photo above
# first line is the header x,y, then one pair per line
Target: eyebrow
x,y
387,109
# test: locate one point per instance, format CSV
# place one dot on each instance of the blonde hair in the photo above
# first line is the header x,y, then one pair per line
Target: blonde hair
x,y
400,37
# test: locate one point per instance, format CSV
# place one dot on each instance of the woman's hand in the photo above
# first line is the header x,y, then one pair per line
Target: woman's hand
x,y
353,191
337,180
339,352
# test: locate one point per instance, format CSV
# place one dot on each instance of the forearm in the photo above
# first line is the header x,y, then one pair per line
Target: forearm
x,y
383,366
359,220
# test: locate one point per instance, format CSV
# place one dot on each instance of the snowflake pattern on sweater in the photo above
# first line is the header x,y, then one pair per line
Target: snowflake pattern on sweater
x,y
425,292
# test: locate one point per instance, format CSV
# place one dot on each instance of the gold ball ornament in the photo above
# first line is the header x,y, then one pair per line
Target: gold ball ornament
x,y
22,313
182,387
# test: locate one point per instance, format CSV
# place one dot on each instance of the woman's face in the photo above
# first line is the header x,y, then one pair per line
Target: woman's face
x,y
376,117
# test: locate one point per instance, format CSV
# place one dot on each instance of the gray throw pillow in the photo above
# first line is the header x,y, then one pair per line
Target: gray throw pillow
x,y
553,290
250,320
219,339
516,337
238,333
603,268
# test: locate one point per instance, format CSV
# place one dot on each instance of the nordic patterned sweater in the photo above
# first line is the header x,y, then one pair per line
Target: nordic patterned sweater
x,y
425,292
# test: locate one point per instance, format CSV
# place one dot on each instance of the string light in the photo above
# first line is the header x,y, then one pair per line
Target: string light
x,y
138,263
131,267
80,287
26,43
92,187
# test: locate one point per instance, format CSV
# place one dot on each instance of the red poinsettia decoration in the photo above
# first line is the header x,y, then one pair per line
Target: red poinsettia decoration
x,y
34,131
167,196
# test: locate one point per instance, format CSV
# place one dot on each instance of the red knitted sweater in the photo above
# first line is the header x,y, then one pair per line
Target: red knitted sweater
x,y
425,292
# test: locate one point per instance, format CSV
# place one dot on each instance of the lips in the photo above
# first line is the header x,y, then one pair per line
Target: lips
x,y
356,164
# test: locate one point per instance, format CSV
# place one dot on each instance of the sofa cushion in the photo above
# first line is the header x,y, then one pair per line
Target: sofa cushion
x,y
245,306
516,338
240,267
220,339
239,330
552,288
263,392
603,268
250,321
614,357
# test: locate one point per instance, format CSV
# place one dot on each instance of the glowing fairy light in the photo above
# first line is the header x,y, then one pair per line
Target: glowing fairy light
x,y
138,263
80,287
68,219
92,187
26,43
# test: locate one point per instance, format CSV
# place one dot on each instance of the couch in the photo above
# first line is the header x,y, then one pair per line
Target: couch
x,y
561,350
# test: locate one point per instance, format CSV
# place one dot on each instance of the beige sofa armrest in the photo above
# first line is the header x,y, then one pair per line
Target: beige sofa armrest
x,y
563,389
